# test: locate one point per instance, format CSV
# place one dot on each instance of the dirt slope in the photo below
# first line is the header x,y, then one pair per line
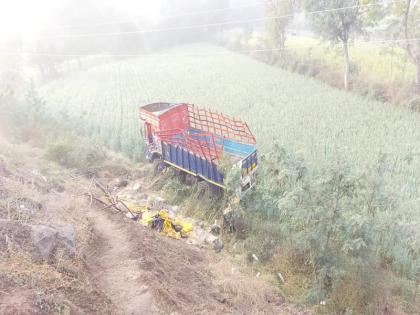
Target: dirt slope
x,y
120,267
143,272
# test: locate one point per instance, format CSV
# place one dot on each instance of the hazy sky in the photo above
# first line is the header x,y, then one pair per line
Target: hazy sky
x,y
28,17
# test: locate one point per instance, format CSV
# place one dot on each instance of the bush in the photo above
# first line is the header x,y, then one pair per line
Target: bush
x,y
414,104
345,221
84,155
60,153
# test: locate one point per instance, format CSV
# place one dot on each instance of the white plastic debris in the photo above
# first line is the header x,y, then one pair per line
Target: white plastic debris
x,y
255,257
280,277
322,302
258,274
136,187
132,216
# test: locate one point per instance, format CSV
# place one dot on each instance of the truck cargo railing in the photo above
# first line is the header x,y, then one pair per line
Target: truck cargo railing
x,y
203,142
219,124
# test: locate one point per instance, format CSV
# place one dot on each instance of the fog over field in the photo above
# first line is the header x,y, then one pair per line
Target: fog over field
x,y
210,157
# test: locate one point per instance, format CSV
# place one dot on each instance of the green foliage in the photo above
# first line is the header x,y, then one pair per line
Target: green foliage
x,y
337,25
414,104
374,223
405,21
81,155
59,153
340,22
375,62
343,219
232,178
34,104
276,27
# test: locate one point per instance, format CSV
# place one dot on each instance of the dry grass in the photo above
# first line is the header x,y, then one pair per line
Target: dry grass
x,y
239,283
34,191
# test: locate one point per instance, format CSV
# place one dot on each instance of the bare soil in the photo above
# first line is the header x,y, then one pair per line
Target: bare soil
x,y
143,272
113,269
121,267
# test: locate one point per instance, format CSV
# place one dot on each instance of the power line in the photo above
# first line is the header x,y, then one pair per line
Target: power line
x,y
127,21
177,28
193,53
141,55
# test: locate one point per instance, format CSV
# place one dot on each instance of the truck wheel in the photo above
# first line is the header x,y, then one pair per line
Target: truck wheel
x,y
191,180
158,166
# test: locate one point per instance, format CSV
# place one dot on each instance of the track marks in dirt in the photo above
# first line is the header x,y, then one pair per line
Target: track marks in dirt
x,y
144,273
114,270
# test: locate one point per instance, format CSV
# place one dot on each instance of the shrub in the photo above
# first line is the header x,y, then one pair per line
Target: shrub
x,y
414,104
83,155
60,153
344,220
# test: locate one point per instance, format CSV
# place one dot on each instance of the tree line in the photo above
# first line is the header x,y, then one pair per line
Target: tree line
x,y
343,21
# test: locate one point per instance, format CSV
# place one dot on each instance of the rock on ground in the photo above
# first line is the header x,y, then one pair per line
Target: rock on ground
x,y
43,241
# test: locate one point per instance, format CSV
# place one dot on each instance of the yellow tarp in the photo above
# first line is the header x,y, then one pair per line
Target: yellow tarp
x,y
134,208
168,224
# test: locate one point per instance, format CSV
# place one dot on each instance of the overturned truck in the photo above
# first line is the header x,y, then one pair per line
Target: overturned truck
x,y
194,140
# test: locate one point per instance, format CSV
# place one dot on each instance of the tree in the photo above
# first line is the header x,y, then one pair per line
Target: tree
x,y
339,25
11,69
276,27
405,24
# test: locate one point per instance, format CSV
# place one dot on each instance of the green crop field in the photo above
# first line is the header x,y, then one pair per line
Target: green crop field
x,y
321,124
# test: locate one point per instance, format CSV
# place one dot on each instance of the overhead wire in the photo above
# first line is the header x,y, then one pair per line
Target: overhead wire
x,y
187,27
128,21
197,53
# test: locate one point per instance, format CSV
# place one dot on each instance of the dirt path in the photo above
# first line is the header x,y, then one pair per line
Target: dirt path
x,y
142,272
114,271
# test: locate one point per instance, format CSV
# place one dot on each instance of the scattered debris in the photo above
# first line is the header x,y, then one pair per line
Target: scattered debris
x,y
166,225
160,220
136,187
255,257
281,277
108,200
258,274
131,216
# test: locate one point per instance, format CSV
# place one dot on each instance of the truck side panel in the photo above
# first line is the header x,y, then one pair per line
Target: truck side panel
x,y
174,118
191,163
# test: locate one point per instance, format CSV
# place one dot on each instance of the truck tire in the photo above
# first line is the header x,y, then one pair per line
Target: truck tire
x,y
158,166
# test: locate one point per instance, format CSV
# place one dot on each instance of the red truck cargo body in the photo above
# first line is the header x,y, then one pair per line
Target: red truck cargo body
x,y
194,139
165,116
